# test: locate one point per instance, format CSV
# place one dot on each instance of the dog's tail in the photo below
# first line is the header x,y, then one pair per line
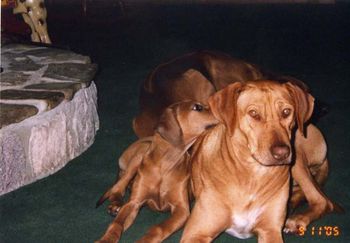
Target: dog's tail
x,y
103,198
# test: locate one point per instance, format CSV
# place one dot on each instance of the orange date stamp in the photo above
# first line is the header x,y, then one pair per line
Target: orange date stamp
x,y
325,231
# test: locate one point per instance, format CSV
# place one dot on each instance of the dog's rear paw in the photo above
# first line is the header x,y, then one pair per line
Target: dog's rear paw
x,y
295,224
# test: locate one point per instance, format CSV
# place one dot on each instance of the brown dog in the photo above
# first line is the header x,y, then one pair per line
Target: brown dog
x,y
240,168
309,172
194,76
162,172
199,75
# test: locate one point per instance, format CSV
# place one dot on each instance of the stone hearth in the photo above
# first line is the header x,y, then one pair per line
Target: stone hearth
x,y
48,111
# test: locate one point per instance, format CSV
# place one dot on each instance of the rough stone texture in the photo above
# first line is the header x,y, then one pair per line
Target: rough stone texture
x,y
75,71
42,144
48,111
10,79
28,70
15,113
52,99
13,171
68,89
24,64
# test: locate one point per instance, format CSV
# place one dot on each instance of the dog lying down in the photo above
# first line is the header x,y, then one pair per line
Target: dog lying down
x,y
160,167
241,168
204,74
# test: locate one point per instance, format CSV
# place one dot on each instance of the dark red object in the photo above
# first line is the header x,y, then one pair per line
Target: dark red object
x,y
13,23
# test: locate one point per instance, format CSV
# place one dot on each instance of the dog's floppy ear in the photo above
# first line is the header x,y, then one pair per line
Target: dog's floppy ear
x,y
169,127
304,105
223,105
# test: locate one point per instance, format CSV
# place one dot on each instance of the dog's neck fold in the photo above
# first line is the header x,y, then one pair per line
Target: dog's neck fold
x,y
168,154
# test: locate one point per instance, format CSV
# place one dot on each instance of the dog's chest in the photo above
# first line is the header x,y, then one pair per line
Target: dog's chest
x,y
243,223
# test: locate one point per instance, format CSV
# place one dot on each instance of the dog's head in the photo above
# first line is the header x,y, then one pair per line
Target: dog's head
x,y
265,113
182,122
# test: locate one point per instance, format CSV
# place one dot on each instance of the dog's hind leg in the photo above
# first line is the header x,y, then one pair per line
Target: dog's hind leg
x,y
297,197
319,173
319,203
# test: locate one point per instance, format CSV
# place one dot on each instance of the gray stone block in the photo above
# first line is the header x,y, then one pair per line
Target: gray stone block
x,y
48,111
43,144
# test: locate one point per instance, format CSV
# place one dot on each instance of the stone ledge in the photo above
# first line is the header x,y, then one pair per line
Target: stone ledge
x,y
48,111
40,77
43,144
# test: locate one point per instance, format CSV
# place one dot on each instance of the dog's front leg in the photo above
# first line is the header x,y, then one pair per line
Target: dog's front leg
x,y
270,236
118,190
125,218
207,220
160,232
116,193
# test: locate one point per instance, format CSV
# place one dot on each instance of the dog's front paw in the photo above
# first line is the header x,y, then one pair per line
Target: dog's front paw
x,y
295,224
116,202
114,208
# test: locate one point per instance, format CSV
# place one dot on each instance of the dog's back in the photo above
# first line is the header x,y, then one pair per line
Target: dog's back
x,y
194,76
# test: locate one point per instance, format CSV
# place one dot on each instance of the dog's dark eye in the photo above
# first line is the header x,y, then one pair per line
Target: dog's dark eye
x,y
254,114
286,112
197,107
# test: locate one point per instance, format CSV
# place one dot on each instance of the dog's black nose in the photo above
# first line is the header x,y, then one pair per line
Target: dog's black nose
x,y
280,152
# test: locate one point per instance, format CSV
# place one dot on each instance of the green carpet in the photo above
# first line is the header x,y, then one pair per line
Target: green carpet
x,y
310,42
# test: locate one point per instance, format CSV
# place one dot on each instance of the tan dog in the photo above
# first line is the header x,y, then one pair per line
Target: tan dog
x,y
194,76
162,172
309,173
199,75
240,168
